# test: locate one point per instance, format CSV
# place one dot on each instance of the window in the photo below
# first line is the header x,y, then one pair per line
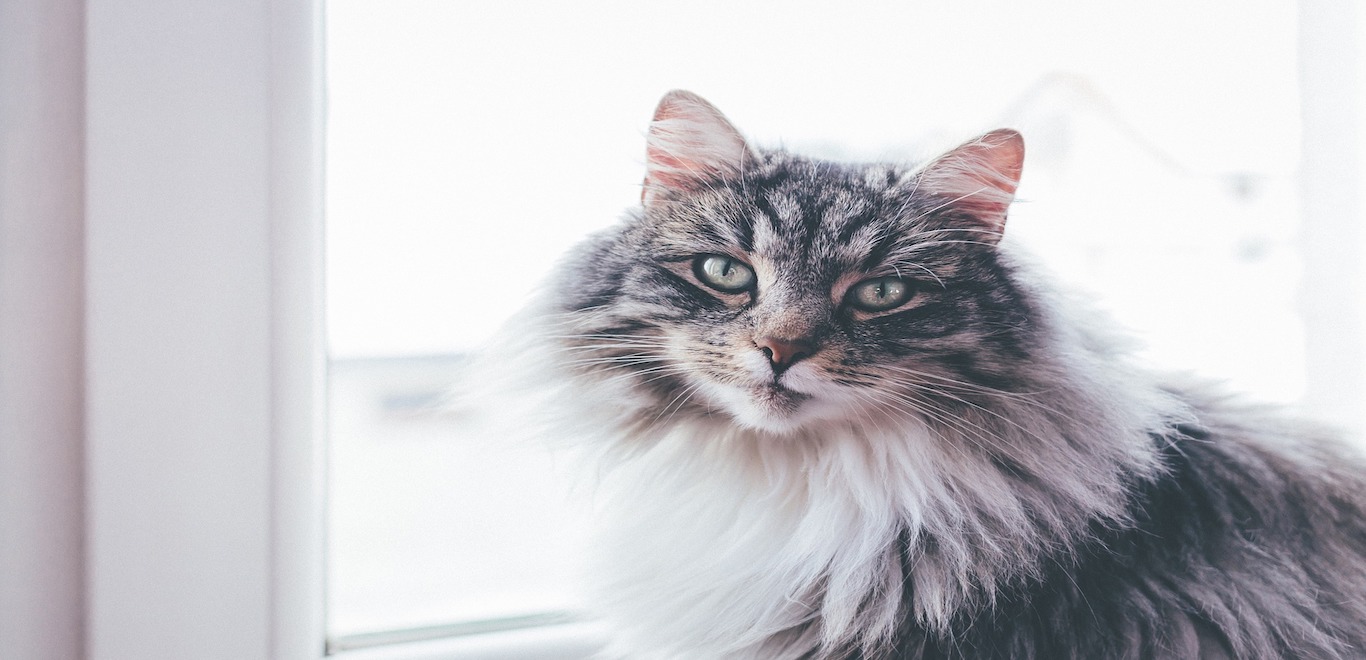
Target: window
x,y
470,145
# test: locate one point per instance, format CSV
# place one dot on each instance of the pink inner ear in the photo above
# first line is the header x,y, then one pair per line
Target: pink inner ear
x,y
669,170
690,143
980,176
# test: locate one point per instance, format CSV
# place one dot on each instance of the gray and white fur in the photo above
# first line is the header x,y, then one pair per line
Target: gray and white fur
x,y
978,471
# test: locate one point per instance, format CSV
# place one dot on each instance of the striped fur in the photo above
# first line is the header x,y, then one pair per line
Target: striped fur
x,y
979,473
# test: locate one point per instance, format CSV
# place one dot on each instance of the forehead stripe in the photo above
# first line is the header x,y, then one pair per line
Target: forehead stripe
x,y
864,218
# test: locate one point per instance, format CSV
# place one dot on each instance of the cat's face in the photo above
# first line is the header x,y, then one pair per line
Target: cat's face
x,y
785,292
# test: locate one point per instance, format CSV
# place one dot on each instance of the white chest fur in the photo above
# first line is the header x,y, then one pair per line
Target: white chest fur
x,y
723,544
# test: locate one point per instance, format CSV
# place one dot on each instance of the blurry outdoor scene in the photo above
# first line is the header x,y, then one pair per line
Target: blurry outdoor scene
x,y
470,144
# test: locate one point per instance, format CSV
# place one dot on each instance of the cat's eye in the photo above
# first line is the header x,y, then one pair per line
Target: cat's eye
x,y
880,294
723,273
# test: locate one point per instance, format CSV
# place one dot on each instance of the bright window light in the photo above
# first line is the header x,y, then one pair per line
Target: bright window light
x,y
469,144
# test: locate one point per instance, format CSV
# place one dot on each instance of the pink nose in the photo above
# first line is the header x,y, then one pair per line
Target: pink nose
x,y
782,353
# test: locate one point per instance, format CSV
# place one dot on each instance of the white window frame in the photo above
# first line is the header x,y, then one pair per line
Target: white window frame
x,y
170,425
203,353
167,418
204,339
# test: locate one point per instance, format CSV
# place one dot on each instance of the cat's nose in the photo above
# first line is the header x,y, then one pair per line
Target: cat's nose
x,y
782,353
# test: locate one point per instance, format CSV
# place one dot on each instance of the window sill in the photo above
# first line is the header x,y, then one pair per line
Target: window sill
x,y
570,641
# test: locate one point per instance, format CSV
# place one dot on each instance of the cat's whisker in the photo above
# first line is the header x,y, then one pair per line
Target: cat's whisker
x,y
967,385
929,414
659,372
1027,431
946,241
610,336
905,237
570,356
949,230
628,347
681,399
887,408
606,345
927,387
606,335
617,360
986,439
1026,398
926,269
956,200
875,389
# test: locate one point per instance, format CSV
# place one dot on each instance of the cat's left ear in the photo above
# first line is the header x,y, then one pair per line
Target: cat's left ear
x,y
690,145
978,178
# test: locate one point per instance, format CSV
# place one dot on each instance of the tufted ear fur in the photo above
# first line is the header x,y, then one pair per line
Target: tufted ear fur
x,y
978,178
690,144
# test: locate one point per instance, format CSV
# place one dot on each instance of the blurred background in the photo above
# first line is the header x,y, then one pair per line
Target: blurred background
x,y
1187,170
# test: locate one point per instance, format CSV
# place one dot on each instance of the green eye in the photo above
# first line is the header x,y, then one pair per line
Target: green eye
x,y
881,294
723,273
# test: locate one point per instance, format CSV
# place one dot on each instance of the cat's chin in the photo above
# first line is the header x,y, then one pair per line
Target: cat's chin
x,y
770,408
769,424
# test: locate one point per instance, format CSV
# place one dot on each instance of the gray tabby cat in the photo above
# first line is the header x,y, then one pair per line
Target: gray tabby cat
x,y
839,419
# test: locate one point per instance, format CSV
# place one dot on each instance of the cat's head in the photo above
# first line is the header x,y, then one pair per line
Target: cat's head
x,y
784,292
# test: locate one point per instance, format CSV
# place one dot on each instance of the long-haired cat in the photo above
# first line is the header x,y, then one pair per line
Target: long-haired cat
x,y
838,418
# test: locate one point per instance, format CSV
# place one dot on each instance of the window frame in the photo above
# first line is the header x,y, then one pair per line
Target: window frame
x,y
202,329
205,388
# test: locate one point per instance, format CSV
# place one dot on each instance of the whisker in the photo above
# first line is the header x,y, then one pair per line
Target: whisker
x,y
973,388
681,398
951,230
928,414
926,269
946,241
972,430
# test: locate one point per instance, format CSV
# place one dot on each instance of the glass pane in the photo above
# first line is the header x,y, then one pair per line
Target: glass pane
x,y
432,522
471,143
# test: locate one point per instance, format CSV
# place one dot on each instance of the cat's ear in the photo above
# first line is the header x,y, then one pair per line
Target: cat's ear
x,y
690,144
978,178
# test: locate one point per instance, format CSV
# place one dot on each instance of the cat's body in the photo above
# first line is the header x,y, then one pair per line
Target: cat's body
x,y
837,419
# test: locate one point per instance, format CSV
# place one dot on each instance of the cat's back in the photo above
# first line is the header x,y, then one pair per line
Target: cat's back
x,y
1250,544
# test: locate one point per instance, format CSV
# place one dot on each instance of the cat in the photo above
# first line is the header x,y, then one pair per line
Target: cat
x,y
835,416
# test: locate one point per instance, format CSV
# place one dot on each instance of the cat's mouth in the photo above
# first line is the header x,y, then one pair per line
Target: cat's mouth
x,y
775,393
772,407
760,399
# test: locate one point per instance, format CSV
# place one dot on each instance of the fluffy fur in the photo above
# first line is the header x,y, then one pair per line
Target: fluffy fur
x,y
977,473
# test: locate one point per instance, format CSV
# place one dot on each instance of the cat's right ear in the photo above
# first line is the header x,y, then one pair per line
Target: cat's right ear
x,y
978,179
690,145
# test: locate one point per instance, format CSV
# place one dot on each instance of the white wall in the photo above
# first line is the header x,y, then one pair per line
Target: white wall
x,y
202,356
41,356
177,299
159,345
